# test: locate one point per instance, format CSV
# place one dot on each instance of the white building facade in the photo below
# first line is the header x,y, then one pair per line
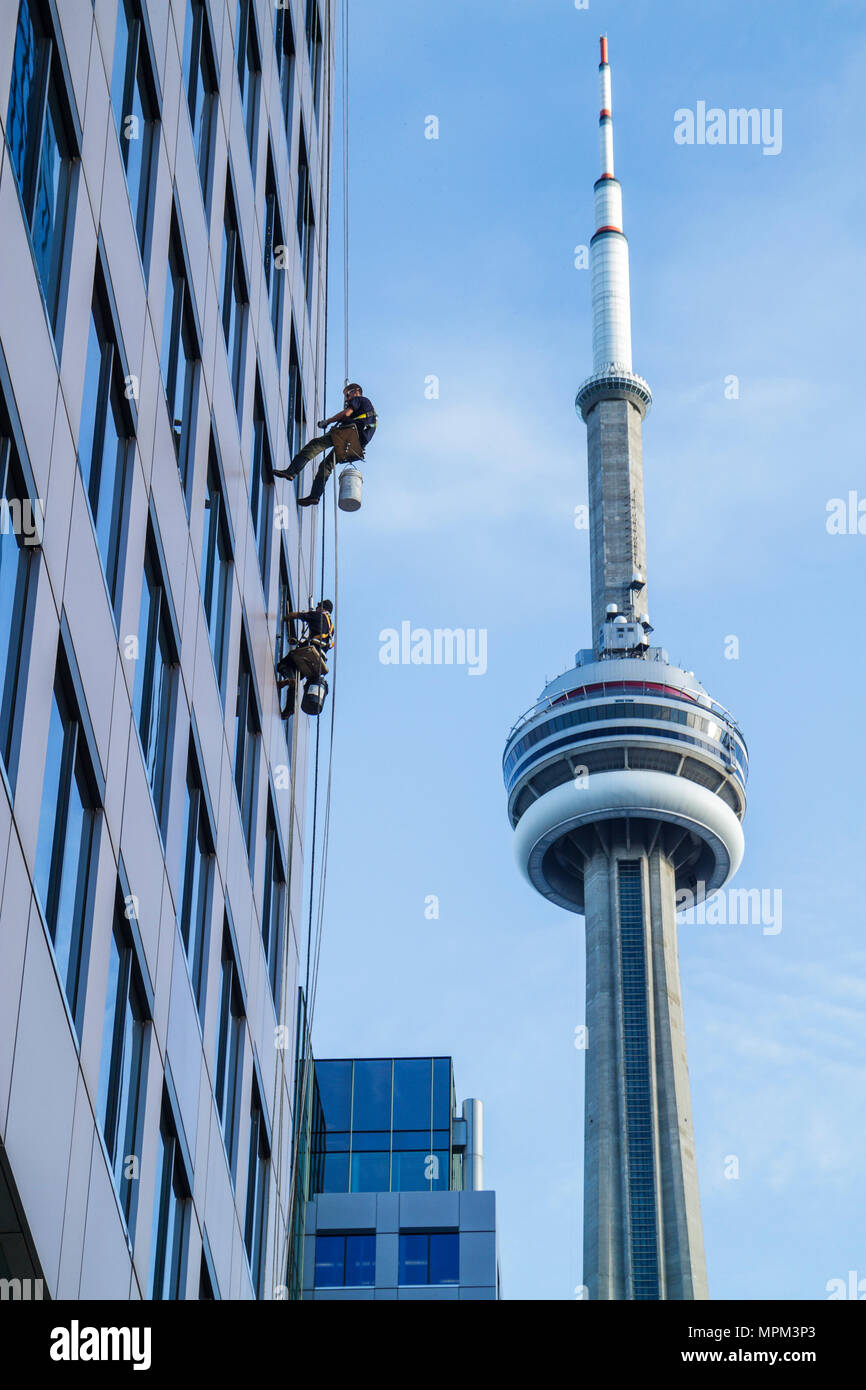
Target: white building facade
x,y
163,206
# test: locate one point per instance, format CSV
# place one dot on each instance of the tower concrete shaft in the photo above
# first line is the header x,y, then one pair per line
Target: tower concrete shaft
x,y
642,1236
617,534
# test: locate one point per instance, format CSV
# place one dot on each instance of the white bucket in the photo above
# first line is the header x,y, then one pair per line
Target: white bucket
x,y
351,482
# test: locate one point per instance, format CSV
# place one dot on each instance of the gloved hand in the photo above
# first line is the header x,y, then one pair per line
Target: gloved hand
x,y
321,424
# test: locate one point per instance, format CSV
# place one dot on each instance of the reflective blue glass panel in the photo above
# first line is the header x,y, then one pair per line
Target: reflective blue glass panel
x,y
410,1172
15,569
412,1093
330,1261
444,1257
335,1092
49,214
372,1099
439,1169
412,1139
370,1172
335,1177
441,1093
360,1266
23,115
413,1258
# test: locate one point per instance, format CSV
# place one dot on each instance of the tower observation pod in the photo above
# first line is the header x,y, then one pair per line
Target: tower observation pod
x,y
626,787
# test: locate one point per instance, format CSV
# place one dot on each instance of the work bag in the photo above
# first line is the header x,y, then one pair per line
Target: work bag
x,y
347,444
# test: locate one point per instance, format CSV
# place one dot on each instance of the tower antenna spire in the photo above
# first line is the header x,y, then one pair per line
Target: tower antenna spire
x,y
605,115
611,303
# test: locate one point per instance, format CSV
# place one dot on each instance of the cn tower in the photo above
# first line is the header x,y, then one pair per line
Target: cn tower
x,y
626,788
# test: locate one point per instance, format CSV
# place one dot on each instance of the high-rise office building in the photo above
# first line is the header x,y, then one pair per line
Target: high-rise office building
x,y
163,210
626,787
394,1205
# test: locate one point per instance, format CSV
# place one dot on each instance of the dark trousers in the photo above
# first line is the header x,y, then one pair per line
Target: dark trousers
x,y
306,455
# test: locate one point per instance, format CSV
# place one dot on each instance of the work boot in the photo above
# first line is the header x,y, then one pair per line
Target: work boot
x,y
310,501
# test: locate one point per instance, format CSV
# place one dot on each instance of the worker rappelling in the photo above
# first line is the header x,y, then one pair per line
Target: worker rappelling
x,y
346,442
307,653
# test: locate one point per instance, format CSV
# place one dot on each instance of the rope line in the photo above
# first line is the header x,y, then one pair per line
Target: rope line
x,y
345,29
314,938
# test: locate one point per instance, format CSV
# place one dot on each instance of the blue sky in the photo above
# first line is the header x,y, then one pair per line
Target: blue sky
x,y
742,264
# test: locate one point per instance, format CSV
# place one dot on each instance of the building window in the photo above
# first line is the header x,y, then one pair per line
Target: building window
x,y
155,680
306,217
255,1224
196,879
66,852
179,360
216,568
133,101
247,739
261,489
41,147
230,1051
281,642
345,1261
234,297
206,1291
123,1066
200,81
20,533
314,48
297,419
249,72
273,905
284,605
105,443
171,1208
429,1257
387,1125
284,41
275,253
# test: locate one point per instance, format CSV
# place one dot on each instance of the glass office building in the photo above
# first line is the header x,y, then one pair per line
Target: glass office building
x,y
395,1203
163,216
386,1126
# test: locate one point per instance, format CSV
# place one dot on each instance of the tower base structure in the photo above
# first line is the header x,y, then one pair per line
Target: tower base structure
x,y
642,1237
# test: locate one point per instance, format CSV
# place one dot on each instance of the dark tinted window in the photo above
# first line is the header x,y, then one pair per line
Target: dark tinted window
x,y
372,1100
66,851
412,1096
41,147
20,534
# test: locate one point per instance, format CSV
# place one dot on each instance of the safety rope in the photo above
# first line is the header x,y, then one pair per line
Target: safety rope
x,y
314,938
345,29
